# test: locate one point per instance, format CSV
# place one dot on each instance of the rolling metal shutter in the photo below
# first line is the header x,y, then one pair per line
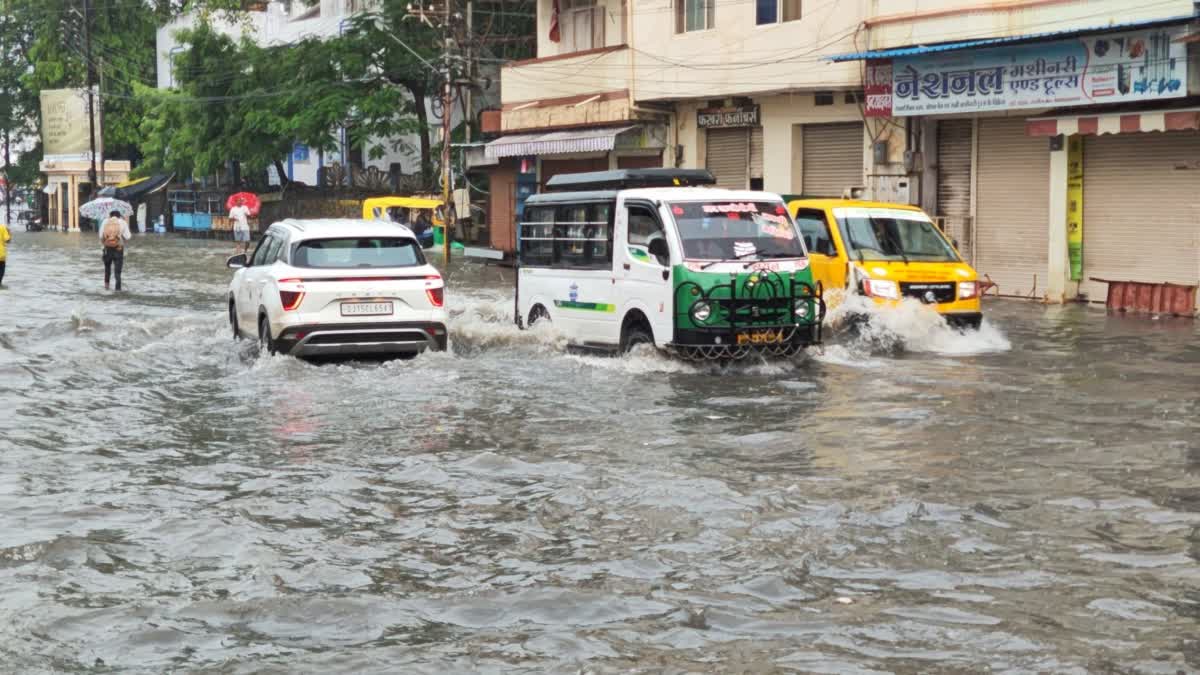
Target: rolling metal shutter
x,y
640,162
954,138
832,157
1012,207
1141,210
553,167
756,152
728,157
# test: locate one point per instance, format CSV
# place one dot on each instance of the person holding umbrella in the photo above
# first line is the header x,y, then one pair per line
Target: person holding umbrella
x,y
242,206
113,235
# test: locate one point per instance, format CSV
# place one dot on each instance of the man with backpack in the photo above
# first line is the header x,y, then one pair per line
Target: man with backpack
x,y
113,235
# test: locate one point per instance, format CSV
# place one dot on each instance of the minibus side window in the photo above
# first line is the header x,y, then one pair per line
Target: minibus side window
x,y
815,228
644,228
537,236
583,236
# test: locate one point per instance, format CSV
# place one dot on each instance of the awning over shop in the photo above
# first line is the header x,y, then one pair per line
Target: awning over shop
x,y
1096,124
1003,41
138,188
555,142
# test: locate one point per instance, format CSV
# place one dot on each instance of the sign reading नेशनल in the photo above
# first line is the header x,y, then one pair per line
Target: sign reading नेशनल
x,y
1140,65
727,118
65,122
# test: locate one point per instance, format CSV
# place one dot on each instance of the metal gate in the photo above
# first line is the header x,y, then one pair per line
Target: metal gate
x,y
833,158
727,156
1141,209
1012,207
954,144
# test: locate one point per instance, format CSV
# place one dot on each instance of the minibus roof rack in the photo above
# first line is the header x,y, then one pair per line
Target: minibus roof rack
x,y
624,179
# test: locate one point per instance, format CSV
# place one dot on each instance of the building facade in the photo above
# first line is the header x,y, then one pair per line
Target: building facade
x,y
745,89
1058,140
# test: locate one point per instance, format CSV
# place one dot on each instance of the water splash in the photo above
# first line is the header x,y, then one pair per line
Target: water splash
x,y
910,326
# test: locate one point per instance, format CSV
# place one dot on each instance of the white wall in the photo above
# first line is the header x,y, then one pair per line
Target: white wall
x,y
251,24
898,23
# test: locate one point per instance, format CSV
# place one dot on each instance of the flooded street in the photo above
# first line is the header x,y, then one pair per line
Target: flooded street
x,y
1024,499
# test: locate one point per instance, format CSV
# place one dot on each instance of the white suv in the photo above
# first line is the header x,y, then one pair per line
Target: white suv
x,y
338,287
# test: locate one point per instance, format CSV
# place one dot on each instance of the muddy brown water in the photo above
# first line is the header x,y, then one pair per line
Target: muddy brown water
x,y
1024,499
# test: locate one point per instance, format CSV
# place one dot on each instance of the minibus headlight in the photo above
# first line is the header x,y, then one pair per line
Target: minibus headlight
x,y
701,311
967,289
801,310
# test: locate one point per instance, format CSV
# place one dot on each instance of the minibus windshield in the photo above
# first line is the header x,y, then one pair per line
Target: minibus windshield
x,y
736,230
893,234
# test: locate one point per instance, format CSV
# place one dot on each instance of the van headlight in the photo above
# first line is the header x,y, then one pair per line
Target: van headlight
x,y
801,310
968,289
701,311
881,288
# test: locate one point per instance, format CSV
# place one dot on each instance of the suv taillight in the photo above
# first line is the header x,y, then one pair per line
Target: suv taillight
x,y
290,299
436,296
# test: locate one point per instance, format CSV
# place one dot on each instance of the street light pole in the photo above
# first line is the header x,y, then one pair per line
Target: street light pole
x,y
91,76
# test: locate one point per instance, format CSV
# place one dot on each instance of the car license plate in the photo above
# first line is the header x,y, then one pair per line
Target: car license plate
x,y
366,308
760,337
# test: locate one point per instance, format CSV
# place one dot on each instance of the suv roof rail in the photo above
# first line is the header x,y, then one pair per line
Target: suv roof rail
x,y
623,179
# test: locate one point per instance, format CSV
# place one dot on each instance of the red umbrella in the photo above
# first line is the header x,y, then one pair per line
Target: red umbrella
x,y
247,199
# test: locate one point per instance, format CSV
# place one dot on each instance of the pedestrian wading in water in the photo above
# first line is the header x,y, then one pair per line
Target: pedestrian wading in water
x,y
113,235
5,237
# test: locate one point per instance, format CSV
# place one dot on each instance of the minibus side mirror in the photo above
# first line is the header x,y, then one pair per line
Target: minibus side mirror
x,y
955,243
658,249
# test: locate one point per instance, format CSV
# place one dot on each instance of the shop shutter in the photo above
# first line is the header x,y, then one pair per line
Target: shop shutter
x,y
756,152
728,157
1141,209
954,180
1012,207
833,158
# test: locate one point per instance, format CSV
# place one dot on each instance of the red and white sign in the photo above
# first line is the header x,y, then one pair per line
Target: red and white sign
x,y
878,88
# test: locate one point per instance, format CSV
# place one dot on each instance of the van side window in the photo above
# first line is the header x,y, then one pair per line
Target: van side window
x,y
583,236
815,228
644,228
574,236
537,236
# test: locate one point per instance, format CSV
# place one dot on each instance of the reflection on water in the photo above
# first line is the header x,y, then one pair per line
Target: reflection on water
x,y
1025,498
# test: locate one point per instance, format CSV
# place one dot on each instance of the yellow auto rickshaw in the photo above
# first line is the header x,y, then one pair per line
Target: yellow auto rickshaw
x,y
424,215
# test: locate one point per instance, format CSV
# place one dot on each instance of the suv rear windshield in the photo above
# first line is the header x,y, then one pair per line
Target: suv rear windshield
x,y
725,230
358,252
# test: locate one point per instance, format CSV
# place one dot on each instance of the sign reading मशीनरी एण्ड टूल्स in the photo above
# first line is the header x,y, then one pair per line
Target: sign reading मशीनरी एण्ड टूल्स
x,y
1114,68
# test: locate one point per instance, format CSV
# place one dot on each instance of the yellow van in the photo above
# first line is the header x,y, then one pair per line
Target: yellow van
x,y
887,252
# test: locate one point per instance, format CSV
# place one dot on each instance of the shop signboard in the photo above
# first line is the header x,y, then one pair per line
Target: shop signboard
x,y
1144,65
728,118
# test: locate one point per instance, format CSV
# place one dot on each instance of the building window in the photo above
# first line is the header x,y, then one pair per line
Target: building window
x,y
693,15
823,98
771,11
582,25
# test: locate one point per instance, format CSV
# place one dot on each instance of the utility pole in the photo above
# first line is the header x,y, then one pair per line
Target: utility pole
x,y
7,123
447,107
91,81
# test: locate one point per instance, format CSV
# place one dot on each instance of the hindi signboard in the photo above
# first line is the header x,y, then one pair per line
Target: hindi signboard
x,y
725,118
1140,65
65,122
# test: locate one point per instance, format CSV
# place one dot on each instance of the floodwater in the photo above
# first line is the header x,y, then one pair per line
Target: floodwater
x,y
1025,499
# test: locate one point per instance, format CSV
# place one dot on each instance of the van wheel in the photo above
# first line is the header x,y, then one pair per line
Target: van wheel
x,y
265,344
538,313
233,322
637,334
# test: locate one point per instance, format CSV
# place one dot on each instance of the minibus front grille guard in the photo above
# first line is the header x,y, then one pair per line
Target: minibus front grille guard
x,y
766,299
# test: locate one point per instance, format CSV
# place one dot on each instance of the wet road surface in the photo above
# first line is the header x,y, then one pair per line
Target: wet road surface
x,y
1026,499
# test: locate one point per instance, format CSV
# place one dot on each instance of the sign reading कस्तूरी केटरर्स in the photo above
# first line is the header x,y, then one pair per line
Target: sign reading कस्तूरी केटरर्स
x,y
1143,65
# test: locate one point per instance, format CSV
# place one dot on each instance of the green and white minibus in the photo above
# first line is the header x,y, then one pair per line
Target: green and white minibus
x,y
649,256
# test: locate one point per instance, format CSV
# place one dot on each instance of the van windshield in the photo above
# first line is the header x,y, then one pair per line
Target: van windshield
x,y
358,252
735,230
893,234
